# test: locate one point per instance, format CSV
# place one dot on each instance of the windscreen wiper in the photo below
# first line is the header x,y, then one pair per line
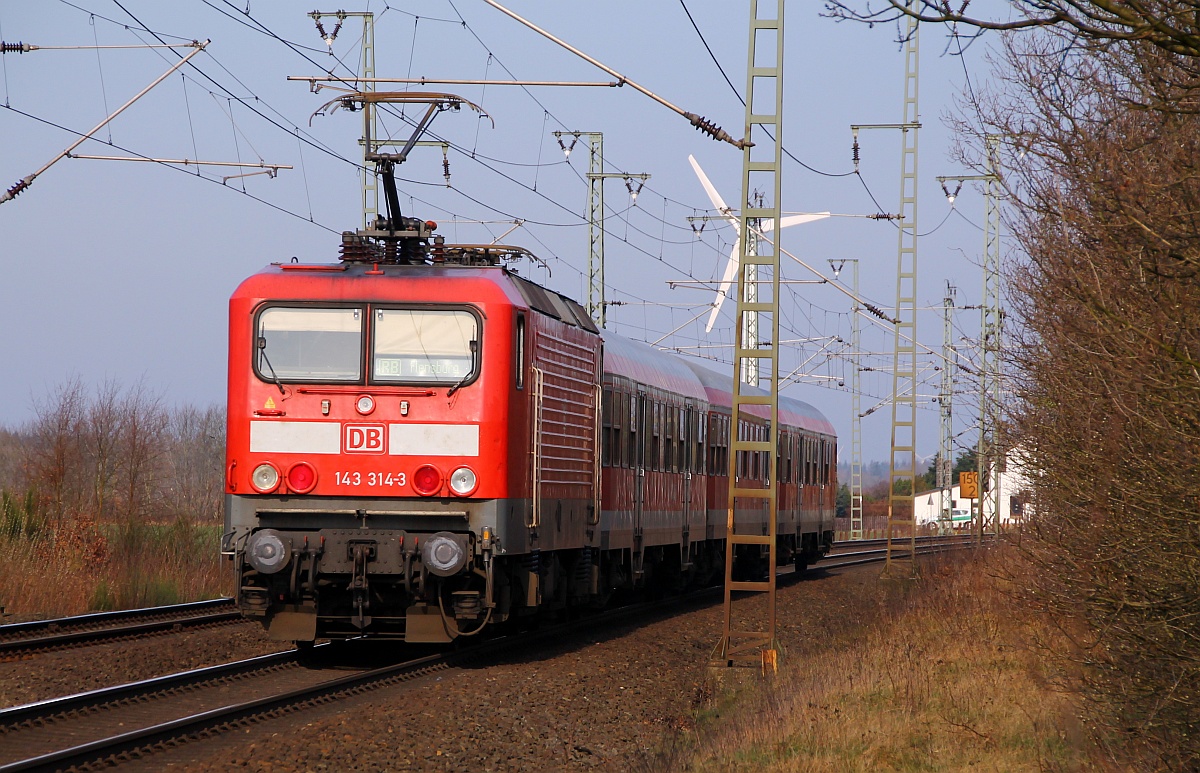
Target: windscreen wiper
x,y
262,348
470,372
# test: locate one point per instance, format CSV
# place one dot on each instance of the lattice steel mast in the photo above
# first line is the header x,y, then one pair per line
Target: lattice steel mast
x,y
988,459
597,306
856,483
945,459
761,162
902,473
989,456
370,145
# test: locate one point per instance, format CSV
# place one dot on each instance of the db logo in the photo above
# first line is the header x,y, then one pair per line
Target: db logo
x,y
363,438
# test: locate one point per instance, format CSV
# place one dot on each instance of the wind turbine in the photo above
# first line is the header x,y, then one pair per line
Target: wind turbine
x,y
731,267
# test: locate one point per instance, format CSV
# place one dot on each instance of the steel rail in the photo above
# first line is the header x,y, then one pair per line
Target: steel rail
x,y
48,634
51,708
104,617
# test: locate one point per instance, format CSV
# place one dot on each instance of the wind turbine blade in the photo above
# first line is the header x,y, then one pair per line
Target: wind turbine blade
x,y
787,220
713,196
727,280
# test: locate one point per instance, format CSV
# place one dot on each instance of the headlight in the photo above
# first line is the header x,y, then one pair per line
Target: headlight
x,y
268,552
427,480
265,478
365,404
444,553
463,481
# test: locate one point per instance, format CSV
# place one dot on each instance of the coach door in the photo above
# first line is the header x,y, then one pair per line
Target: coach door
x,y
687,426
640,421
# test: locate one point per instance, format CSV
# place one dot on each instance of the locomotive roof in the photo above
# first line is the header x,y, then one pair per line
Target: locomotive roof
x,y
331,280
298,280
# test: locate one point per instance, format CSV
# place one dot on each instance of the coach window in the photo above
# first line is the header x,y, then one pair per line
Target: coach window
x,y
668,438
309,344
655,438
685,426
606,424
519,352
425,346
826,447
724,440
622,401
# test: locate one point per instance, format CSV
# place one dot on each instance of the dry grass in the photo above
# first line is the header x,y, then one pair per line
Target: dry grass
x,y
71,567
943,681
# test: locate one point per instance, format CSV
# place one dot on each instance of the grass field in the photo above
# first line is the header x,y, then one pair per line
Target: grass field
x,y
66,567
946,680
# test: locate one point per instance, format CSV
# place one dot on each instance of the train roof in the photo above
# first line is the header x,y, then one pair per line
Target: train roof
x,y
653,367
792,412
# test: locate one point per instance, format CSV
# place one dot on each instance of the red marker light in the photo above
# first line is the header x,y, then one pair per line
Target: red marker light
x,y
427,480
302,478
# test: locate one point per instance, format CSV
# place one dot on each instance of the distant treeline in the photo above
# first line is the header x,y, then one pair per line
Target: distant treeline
x,y
110,499
114,453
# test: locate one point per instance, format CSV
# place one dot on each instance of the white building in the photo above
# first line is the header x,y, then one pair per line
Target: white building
x,y
1014,499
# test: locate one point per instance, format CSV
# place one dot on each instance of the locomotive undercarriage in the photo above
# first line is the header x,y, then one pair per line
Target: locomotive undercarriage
x,y
422,585
336,587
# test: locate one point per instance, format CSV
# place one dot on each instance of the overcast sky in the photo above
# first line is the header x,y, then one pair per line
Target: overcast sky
x,y
120,270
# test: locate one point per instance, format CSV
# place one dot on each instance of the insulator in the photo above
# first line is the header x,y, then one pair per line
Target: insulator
x,y
446,169
14,48
356,249
321,29
877,312
714,131
16,190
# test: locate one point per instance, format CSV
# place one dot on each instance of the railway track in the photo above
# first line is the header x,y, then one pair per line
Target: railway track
x,y
872,550
22,639
104,727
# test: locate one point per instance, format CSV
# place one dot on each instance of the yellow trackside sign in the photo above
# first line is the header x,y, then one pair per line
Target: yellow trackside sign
x,y
968,485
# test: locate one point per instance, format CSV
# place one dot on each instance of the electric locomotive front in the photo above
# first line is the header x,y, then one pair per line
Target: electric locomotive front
x,y
370,434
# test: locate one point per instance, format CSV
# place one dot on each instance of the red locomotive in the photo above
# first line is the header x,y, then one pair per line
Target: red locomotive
x,y
422,443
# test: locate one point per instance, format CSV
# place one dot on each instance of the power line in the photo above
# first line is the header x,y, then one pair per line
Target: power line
x,y
176,168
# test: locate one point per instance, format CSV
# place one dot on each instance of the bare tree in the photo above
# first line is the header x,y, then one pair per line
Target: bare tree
x,y
143,443
1107,364
100,438
1171,25
196,460
55,459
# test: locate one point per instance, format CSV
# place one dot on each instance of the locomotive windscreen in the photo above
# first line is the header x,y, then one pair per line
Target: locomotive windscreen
x,y
310,344
423,346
